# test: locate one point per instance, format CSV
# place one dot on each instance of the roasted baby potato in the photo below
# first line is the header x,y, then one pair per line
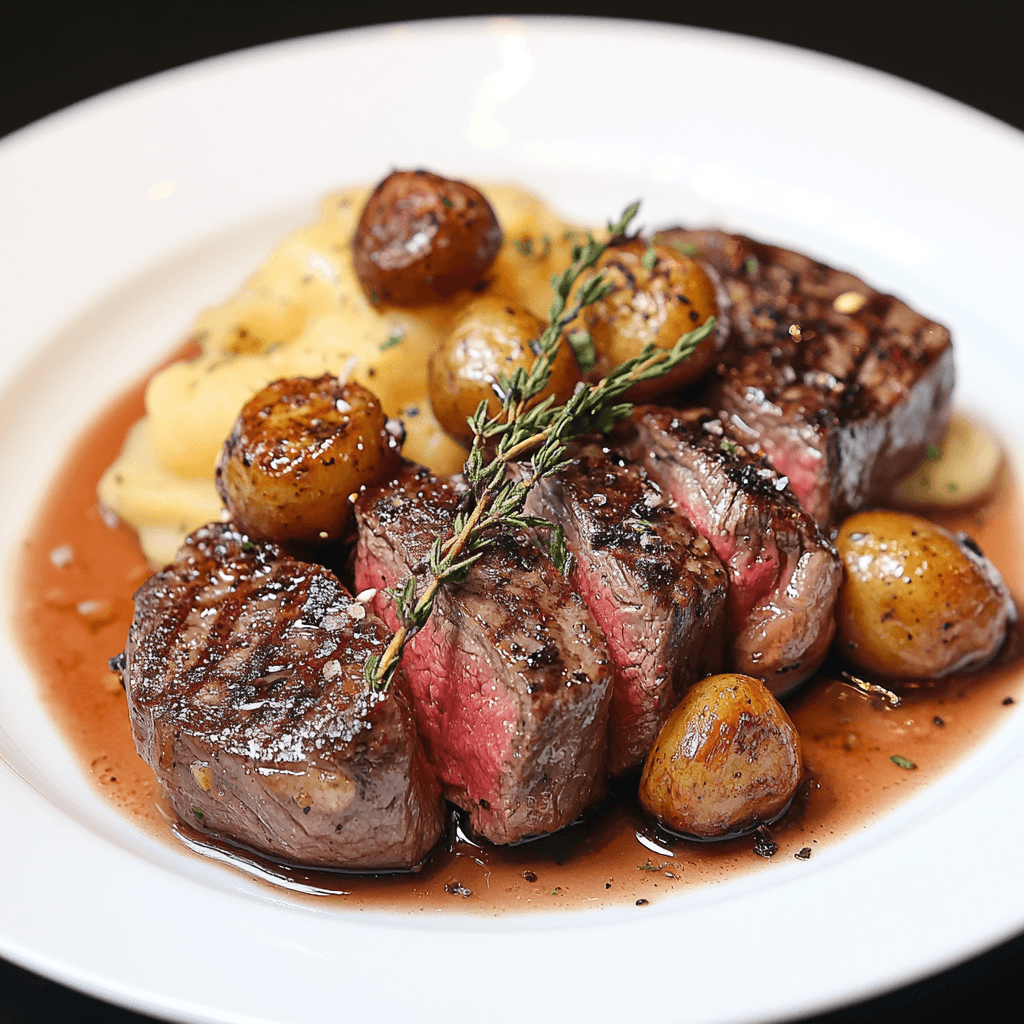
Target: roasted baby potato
x,y
489,338
916,602
657,296
961,471
297,452
726,761
422,237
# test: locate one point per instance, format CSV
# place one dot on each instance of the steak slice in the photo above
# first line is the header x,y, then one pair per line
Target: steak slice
x,y
784,575
244,676
842,387
510,676
652,583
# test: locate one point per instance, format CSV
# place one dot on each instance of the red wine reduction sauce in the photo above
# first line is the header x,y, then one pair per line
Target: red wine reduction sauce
x,y
78,572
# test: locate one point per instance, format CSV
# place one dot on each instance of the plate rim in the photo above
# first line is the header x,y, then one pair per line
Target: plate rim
x,y
166,79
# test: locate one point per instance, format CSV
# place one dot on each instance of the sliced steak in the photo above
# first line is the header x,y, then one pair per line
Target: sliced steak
x,y
784,575
244,675
510,676
842,387
652,583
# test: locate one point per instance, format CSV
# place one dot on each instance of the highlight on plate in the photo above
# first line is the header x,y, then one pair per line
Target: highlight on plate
x,y
469,516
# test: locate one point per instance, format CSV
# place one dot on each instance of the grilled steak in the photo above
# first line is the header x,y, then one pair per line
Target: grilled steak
x,y
652,583
783,575
510,676
244,675
843,388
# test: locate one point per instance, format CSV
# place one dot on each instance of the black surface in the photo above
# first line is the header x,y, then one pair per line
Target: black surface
x,y
53,57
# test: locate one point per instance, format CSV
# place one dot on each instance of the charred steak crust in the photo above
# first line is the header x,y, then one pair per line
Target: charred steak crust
x,y
841,386
510,677
652,583
244,676
783,574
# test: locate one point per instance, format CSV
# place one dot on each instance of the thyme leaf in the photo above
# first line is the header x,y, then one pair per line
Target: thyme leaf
x,y
535,435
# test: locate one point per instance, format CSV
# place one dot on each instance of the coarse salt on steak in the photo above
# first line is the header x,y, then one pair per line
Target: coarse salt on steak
x,y
510,677
653,584
784,575
842,387
245,685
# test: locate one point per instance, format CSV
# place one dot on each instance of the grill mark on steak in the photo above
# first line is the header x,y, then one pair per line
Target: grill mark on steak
x,y
783,574
244,676
652,583
510,676
841,386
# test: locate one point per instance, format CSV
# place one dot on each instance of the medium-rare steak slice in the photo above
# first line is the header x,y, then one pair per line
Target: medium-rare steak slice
x,y
652,583
842,387
244,675
510,676
784,575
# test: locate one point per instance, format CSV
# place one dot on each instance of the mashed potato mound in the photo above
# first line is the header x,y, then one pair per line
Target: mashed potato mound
x,y
304,313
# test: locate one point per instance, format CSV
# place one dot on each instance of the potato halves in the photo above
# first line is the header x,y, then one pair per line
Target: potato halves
x,y
916,602
726,761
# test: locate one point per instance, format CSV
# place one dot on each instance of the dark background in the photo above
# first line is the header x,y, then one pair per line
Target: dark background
x,y
971,52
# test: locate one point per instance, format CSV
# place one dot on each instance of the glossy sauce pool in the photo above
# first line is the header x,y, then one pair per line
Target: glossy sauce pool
x,y
77,573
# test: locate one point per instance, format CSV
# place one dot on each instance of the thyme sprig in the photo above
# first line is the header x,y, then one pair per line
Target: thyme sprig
x,y
519,431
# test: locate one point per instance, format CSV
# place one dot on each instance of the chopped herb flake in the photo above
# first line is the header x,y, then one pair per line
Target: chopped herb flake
x,y
686,248
902,762
524,245
198,813
751,265
649,258
447,202
728,446
394,338
649,866
247,545
934,452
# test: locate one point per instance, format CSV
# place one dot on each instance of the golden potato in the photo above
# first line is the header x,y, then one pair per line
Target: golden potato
x,y
489,338
916,602
657,296
726,761
296,453
422,237
961,471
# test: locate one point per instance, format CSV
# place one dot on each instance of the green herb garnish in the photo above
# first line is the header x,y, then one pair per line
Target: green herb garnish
x,y
649,866
728,446
686,248
900,761
649,258
524,245
933,451
540,433
393,339
583,346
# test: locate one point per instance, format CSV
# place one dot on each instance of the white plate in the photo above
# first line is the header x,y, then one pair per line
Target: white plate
x,y
101,275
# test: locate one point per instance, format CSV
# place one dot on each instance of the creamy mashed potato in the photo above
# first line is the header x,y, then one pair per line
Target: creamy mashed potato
x,y
303,313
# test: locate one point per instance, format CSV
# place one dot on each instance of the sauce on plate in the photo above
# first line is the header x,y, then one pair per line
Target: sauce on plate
x,y
79,568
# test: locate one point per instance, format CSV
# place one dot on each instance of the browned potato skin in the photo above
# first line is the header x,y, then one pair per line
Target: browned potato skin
x,y
727,760
916,602
422,237
656,306
490,337
297,451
